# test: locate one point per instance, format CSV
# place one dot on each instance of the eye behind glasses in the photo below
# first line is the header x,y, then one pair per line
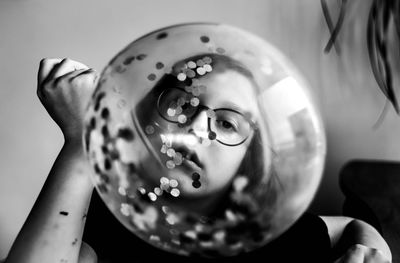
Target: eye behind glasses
x,y
230,126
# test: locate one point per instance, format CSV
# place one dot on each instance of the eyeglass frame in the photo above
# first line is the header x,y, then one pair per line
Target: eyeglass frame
x,y
200,108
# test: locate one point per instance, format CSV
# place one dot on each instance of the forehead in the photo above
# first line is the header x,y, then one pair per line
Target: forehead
x,y
230,89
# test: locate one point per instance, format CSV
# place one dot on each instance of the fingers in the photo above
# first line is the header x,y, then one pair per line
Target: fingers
x,y
73,75
45,66
52,68
88,73
65,66
376,256
354,255
89,76
361,254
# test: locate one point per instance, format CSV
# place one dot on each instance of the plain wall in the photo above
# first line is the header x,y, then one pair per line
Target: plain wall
x,y
94,31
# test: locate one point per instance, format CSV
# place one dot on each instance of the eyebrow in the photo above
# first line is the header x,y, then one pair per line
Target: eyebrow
x,y
230,105
234,106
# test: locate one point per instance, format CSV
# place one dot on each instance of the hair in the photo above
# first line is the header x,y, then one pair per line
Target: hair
x,y
220,63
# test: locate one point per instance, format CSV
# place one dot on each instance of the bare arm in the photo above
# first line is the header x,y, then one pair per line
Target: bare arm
x,y
355,241
53,230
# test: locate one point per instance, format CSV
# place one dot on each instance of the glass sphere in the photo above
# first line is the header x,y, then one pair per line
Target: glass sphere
x,y
204,139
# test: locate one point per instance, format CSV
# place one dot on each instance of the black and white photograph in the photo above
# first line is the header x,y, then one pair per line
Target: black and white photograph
x,y
200,131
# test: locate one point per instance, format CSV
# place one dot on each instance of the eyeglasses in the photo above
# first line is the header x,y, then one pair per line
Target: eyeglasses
x,y
227,126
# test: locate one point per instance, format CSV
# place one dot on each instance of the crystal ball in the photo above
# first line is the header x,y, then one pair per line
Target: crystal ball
x,y
204,140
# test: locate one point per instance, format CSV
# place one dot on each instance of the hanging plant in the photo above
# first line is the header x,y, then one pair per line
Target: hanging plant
x,y
382,15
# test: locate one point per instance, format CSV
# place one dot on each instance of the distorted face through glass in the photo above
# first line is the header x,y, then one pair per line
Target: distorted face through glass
x,y
203,129
202,123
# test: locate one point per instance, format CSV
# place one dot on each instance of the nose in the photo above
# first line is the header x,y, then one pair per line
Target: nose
x,y
199,125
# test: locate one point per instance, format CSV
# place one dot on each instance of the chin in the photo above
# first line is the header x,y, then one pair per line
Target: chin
x,y
185,184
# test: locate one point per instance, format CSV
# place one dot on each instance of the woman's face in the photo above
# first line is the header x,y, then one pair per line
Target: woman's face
x,y
204,154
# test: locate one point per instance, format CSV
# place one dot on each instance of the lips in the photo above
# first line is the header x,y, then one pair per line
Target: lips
x,y
190,158
193,166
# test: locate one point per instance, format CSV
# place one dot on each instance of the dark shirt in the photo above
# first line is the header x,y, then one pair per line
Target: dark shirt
x,y
305,241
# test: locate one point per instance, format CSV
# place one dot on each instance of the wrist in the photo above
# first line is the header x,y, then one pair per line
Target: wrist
x,y
73,165
74,145
73,134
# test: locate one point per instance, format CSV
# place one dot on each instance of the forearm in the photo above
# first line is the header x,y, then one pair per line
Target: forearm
x,y
54,227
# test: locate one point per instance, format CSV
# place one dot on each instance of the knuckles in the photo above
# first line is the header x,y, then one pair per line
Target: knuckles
x,y
357,248
368,253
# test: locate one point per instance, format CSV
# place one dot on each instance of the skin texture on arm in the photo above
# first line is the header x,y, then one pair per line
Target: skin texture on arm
x,y
54,227
355,241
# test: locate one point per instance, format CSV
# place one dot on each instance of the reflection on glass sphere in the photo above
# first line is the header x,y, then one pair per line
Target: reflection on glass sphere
x,y
204,140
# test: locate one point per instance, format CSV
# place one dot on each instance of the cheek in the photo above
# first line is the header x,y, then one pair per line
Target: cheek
x,y
226,160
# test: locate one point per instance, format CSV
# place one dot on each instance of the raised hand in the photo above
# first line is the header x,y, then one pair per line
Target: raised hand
x,y
64,88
